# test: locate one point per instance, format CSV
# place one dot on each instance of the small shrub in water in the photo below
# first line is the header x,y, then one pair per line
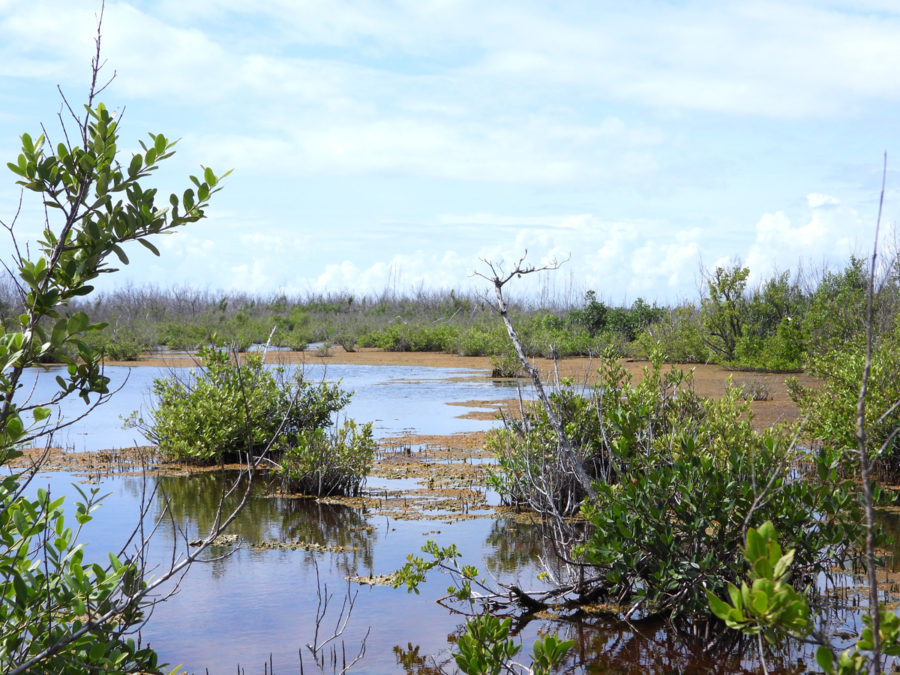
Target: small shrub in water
x,y
328,462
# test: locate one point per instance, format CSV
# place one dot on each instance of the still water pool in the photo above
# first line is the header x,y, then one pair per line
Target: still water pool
x,y
259,604
241,612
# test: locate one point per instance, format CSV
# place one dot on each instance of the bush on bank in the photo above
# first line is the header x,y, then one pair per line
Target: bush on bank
x,y
830,413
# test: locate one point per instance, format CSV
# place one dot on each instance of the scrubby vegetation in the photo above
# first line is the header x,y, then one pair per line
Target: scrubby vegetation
x,y
653,500
780,324
831,410
233,408
61,611
679,478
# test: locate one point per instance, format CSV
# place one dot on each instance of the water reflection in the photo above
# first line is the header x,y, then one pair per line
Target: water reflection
x,y
413,662
513,546
193,502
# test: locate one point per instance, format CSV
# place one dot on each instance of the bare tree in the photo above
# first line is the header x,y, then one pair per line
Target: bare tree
x,y
499,278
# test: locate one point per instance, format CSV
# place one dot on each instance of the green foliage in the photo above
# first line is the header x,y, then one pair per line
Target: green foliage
x,y
626,323
548,652
724,310
674,528
854,661
506,364
323,462
61,613
236,408
679,480
485,646
416,568
63,598
769,605
408,337
613,420
829,411
770,327
837,309
679,334
233,408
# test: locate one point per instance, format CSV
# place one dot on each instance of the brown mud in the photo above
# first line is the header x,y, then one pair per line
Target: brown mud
x,y
709,380
447,472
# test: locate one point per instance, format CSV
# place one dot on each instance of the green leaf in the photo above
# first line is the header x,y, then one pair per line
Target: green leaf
x,y
146,244
120,254
135,166
14,428
21,590
825,659
41,414
718,607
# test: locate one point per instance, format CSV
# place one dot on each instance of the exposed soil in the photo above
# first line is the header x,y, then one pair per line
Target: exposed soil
x,y
709,380
447,472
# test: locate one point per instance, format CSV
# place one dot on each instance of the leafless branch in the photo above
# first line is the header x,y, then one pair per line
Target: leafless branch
x,y
861,439
499,278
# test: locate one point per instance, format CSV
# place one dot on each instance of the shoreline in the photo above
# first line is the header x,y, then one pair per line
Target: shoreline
x,y
709,380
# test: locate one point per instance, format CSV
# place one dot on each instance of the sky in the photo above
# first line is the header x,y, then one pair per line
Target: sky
x,y
393,145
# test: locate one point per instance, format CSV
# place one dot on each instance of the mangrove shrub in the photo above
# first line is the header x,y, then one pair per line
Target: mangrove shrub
x,y
233,407
829,411
679,479
229,408
61,612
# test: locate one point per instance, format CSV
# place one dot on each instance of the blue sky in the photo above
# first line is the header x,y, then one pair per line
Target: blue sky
x,y
391,145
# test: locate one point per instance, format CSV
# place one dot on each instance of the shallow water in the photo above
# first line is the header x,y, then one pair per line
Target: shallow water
x,y
395,398
259,604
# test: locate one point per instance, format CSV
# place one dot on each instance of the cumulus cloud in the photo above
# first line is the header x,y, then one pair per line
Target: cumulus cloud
x,y
385,145
619,260
827,235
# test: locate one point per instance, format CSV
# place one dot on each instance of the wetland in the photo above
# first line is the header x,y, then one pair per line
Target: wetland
x,y
254,604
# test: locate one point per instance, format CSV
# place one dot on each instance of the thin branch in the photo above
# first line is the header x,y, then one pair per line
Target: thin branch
x,y
861,438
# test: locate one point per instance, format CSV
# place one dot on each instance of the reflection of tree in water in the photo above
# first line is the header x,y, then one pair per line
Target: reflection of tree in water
x,y
194,500
414,663
654,647
310,521
889,521
514,546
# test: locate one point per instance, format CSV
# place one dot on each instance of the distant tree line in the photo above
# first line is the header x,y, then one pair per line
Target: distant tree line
x,y
778,324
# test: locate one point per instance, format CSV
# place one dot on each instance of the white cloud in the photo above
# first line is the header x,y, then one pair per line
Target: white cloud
x,y
827,236
817,200
388,128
